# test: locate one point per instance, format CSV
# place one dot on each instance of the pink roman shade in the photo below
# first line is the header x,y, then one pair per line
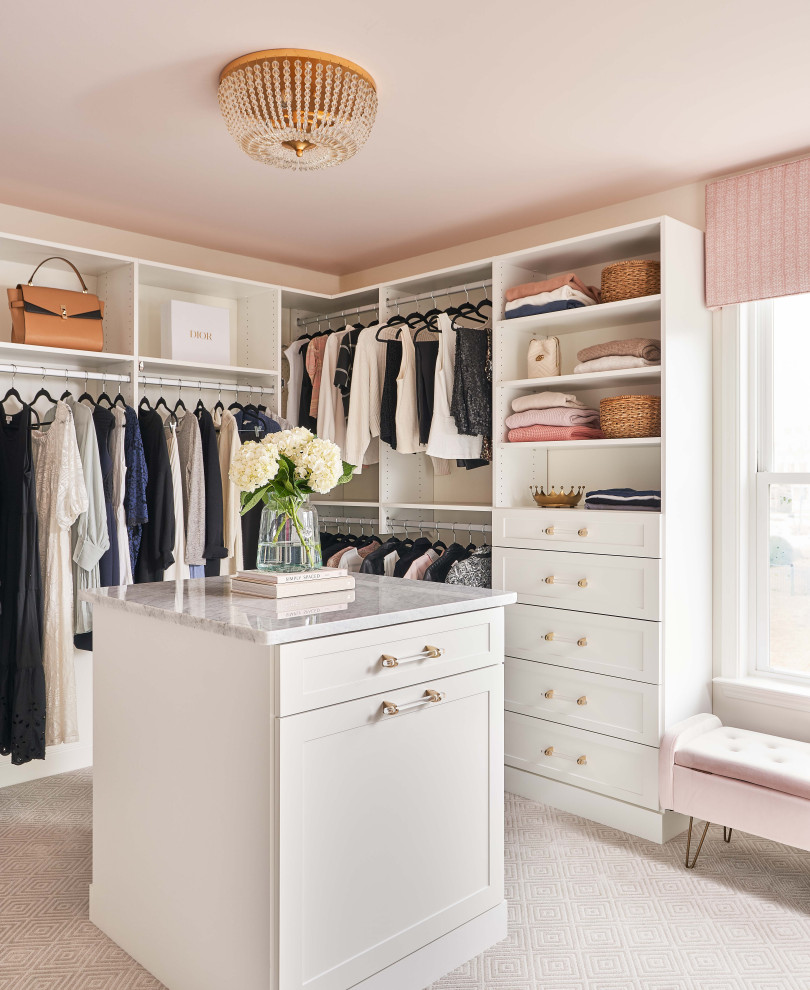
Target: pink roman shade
x,y
758,235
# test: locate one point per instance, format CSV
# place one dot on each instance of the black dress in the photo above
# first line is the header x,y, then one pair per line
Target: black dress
x,y
304,418
214,549
109,568
388,404
157,535
22,678
427,353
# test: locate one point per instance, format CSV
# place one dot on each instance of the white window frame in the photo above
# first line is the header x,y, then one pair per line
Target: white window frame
x,y
760,319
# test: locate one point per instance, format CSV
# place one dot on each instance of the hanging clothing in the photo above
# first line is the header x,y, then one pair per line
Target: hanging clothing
x,y
471,402
189,447
407,557
135,483
252,425
119,484
344,369
373,564
331,416
407,425
293,355
227,445
363,426
90,538
475,571
417,569
440,568
158,533
389,563
61,497
427,352
388,403
314,369
214,550
445,441
305,398
22,677
109,567
179,569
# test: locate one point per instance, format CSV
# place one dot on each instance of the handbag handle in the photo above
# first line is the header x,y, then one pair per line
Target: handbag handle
x,y
57,258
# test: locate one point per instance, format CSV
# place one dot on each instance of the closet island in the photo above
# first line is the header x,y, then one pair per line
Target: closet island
x,y
313,801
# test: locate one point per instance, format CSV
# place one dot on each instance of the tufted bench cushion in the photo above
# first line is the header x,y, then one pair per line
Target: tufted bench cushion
x,y
770,761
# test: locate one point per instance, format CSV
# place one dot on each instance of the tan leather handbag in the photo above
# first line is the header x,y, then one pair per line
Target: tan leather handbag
x,y
56,317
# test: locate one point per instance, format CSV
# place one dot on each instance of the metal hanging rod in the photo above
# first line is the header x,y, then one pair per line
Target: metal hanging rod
x,y
437,524
63,373
439,293
342,314
349,519
204,384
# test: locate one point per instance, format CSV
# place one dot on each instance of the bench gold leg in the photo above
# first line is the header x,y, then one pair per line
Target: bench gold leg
x,y
691,866
727,834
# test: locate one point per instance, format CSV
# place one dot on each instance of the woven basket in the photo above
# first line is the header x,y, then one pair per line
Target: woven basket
x,y
630,416
629,279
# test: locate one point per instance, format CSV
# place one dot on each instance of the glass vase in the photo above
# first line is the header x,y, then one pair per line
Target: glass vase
x,y
289,538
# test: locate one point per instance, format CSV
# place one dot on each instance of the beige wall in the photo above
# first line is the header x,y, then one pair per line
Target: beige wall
x,y
684,203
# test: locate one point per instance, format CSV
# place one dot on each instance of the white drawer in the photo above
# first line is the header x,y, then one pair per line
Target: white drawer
x,y
602,644
630,534
585,582
615,707
624,770
327,671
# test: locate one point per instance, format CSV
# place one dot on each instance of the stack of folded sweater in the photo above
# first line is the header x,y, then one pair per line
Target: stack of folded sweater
x,y
560,292
615,355
624,498
552,416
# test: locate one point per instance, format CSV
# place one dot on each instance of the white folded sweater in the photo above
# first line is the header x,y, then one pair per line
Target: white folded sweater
x,y
614,362
546,400
542,298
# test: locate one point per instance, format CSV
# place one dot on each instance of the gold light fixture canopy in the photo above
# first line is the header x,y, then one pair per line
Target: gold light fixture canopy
x,y
297,109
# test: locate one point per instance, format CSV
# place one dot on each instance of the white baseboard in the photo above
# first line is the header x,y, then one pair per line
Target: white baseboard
x,y
58,759
656,826
437,959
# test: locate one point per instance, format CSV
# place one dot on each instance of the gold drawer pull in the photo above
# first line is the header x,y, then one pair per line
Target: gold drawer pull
x,y
581,760
551,579
554,638
428,653
553,696
552,531
431,697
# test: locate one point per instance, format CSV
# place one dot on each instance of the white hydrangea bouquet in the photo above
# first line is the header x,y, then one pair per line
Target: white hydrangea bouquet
x,y
283,470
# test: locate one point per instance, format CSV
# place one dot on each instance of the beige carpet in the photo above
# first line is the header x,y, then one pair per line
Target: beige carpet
x,y
590,908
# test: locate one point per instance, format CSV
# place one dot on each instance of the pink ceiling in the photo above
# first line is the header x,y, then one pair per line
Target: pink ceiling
x,y
492,115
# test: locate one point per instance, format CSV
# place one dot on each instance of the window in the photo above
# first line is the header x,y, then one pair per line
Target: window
x,y
782,497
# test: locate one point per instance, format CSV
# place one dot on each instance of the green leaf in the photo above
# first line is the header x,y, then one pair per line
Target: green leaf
x,y
348,471
249,499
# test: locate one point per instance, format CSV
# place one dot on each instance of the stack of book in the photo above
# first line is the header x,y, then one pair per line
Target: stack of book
x,y
323,589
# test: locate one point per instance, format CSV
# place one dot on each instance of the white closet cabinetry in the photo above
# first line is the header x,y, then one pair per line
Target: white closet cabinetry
x,y
611,640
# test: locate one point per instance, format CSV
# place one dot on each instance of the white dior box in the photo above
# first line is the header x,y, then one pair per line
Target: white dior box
x,y
192,332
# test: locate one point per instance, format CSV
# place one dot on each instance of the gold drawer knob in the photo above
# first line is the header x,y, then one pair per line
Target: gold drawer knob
x,y
551,695
582,583
428,653
549,531
581,760
582,532
582,641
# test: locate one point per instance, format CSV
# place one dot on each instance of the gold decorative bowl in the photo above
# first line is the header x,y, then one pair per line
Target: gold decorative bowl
x,y
557,499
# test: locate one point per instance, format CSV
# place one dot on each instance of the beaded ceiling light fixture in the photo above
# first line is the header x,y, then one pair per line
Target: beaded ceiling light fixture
x,y
297,109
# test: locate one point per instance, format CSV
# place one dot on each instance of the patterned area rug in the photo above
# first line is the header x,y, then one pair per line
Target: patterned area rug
x,y
590,908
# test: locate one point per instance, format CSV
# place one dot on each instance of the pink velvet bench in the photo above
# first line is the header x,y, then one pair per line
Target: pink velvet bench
x,y
737,778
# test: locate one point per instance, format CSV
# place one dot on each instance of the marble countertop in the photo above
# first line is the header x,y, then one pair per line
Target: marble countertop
x,y
208,604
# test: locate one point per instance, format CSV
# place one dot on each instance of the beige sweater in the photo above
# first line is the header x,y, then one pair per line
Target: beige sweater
x,y
363,425
228,444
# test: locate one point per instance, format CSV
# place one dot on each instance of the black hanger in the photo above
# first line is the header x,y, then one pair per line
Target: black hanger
x,y
120,399
179,405
162,402
43,393
145,404
236,404
85,394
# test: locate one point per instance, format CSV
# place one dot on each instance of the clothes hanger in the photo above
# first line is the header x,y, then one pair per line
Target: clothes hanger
x,y
179,404
200,404
439,544
162,402
43,393
218,405
236,404
67,394
12,392
86,396
104,397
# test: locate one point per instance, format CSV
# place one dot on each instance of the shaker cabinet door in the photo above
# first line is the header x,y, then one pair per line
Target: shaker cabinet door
x,y
391,826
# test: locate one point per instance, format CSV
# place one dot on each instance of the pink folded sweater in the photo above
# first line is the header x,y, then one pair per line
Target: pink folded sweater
x,y
527,434
553,417
550,284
